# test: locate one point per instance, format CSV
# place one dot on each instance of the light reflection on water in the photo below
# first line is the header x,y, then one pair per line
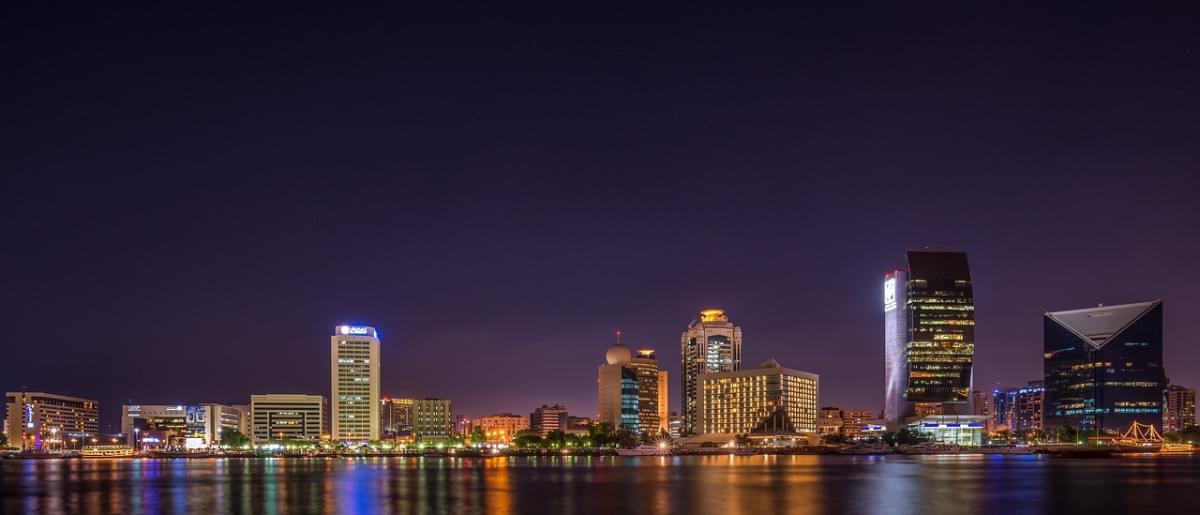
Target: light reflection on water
x,y
756,485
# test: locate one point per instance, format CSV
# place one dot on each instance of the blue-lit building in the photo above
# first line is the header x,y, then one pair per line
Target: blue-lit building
x,y
964,430
620,389
1103,368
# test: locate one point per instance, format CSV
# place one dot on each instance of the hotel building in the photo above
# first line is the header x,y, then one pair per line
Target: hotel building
x,y
354,373
766,400
711,344
1180,404
287,417
1103,368
36,420
432,419
929,337
501,428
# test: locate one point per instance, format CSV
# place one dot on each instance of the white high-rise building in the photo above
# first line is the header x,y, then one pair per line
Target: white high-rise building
x,y
354,373
710,345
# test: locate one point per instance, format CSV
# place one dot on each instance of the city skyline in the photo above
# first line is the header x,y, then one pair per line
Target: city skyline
x,y
515,192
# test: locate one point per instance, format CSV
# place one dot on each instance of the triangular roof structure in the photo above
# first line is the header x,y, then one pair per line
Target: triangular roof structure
x,y
770,363
1099,325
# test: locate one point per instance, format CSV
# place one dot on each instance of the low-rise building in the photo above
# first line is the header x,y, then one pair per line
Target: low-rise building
x,y
545,419
288,417
502,427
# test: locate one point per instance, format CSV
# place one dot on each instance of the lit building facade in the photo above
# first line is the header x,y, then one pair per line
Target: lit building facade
x,y
929,337
500,428
1180,404
148,426
766,400
855,422
354,378
1030,404
664,402
1103,368
432,419
277,416
546,419
1003,412
646,365
711,344
619,399
675,425
964,430
395,417
829,421
981,403
37,420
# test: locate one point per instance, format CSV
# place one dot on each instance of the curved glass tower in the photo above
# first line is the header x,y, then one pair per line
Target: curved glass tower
x,y
929,336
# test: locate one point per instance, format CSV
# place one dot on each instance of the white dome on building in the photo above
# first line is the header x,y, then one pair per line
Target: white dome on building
x,y
618,355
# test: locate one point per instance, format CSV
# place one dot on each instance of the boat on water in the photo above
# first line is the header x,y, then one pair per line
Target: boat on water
x,y
179,454
1177,448
107,451
646,450
1006,450
930,448
866,449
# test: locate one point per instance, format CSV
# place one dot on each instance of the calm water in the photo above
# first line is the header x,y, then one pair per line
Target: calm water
x,y
726,485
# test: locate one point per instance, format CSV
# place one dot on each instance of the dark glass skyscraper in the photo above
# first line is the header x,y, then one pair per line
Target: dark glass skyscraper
x,y
1103,368
929,333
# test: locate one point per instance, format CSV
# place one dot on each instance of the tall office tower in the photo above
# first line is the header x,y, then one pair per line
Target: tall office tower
x,y
1030,403
354,375
1004,409
1103,368
39,420
664,400
618,390
545,419
395,417
929,337
432,419
1180,404
646,365
711,344
766,400
278,416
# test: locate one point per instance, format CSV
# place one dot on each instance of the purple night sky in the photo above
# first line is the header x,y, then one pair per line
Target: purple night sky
x,y
194,199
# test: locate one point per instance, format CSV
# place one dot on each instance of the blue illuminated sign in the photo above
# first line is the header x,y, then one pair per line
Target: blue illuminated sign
x,y
356,330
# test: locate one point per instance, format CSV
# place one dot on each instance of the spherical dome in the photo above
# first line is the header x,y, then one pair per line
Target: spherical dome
x,y
618,355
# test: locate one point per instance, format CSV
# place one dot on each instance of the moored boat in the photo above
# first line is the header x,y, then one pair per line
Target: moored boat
x,y
646,450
